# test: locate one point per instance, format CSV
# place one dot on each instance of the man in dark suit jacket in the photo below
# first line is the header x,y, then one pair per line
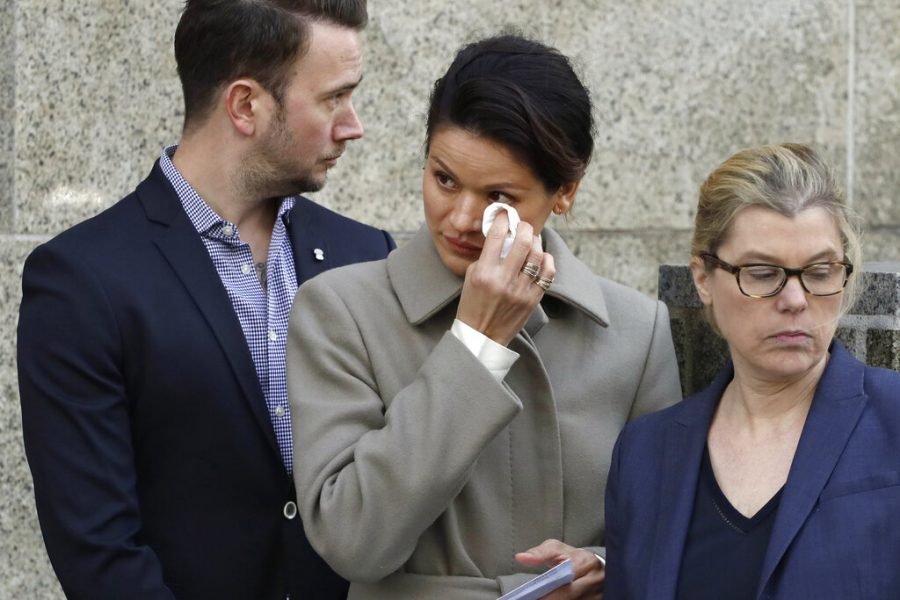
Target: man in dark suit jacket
x,y
152,336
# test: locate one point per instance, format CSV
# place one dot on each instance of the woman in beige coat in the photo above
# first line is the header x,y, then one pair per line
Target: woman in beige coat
x,y
454,411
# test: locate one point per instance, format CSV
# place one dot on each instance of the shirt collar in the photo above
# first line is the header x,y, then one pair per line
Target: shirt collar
x,y
202,216
424,285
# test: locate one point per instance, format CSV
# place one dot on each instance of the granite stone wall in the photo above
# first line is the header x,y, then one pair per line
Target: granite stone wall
x,y
89,97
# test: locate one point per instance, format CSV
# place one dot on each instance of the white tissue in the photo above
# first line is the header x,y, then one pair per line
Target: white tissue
x,y
490,213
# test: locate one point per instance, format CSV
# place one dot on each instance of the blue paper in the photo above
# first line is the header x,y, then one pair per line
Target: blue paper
x,y
543,584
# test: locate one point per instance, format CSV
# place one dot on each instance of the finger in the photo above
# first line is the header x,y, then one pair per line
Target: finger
x,y
548,551
521,245
587,583
535,258
585,563
548,266
493,241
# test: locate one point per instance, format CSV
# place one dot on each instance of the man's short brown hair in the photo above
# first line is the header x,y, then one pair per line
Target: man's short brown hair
x,y
218,41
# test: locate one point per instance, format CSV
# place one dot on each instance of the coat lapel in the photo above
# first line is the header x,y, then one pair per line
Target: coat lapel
x,y
685,438
835,411
309,241
425,286
184,251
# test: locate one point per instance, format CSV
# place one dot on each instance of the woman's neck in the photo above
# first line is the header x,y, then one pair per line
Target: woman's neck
x,y
767,406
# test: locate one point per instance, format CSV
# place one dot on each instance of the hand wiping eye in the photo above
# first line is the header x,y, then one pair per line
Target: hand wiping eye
x,y
490,213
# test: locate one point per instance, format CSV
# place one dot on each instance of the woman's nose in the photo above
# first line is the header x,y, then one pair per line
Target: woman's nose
x,y
467,213
792,296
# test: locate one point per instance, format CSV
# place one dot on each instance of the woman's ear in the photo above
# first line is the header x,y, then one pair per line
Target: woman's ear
x,y
701,280
564,198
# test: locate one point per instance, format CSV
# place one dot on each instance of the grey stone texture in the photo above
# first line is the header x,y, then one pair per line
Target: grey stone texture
x,y
7,103
870,329
89,97
97,98
877,112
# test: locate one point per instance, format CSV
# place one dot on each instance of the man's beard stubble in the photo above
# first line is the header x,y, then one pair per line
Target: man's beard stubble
x,y
273,171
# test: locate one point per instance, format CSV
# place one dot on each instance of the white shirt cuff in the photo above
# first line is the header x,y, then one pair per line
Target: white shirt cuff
x,y
496,358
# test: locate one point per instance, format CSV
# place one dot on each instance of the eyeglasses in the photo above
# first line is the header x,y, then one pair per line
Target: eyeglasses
x,y
763,281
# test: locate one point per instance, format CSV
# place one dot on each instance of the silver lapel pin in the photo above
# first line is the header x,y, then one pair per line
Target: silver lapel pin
x,y
319,254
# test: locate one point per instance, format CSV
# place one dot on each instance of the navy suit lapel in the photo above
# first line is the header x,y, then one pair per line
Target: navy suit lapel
x,y
835,411
685,437
184,251
308,240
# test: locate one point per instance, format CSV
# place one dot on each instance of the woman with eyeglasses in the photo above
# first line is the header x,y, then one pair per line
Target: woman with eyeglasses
x,y
782,478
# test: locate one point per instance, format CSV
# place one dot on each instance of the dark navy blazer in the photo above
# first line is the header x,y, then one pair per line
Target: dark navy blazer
x,y
156,468
837,531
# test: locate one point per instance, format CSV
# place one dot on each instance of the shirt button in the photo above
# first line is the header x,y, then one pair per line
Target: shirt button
x,y
245,269
228,230
290,510
273,336
279,411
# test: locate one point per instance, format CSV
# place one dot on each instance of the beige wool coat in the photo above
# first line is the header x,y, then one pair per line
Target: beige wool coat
x,y
418,475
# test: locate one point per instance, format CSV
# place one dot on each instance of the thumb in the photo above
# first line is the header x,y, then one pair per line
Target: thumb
x,y
548,553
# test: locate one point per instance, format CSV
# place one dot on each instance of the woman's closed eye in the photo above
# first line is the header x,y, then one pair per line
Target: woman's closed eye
x,y
762,273
822,272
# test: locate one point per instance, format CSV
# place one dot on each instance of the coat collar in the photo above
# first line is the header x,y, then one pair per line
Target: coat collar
x,y
424,285
309,239
178,241
836,408
683,441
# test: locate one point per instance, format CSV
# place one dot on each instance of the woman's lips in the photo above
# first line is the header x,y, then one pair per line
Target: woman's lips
x,y
791,337
462,248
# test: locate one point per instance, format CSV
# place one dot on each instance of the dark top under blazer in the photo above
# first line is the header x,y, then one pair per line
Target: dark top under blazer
x,y
836,534
155,464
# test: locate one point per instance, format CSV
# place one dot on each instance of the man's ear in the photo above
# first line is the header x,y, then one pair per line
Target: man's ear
x,y
565,197
701,280
245,105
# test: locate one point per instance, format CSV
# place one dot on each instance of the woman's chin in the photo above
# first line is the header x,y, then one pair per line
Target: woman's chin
x,y
456,262
787,363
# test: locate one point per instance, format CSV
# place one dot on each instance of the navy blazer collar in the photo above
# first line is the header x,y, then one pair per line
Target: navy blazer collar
x,y
836,408
309,239
184,251
683,443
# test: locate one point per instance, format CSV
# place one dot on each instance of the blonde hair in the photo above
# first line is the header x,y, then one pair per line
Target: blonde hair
x,y
786,178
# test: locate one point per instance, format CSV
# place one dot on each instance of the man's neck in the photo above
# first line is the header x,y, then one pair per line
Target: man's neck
x,y
212,168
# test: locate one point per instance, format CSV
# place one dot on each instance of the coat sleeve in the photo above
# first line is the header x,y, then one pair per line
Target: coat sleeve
x,y
372,473
77,433
660,385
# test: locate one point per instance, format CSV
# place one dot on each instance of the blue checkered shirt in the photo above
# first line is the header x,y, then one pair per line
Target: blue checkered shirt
x,y
263,313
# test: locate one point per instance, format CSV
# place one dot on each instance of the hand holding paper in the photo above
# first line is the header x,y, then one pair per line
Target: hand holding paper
x,y
588,573
543,584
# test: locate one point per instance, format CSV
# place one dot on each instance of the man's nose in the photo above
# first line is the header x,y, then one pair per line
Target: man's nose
x,y
349,127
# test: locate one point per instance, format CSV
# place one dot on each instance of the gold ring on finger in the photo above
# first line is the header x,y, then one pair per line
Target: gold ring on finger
x,y
531,269
543,282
